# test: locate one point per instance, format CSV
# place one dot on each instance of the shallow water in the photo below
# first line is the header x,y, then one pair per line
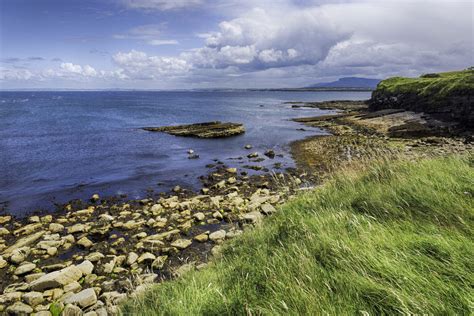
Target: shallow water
x,y
56,146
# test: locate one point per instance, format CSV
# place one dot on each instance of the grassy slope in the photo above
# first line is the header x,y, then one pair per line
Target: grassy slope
x,y
445,84
397,238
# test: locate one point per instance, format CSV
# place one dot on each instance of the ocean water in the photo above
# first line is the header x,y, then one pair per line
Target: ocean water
x,y
58,146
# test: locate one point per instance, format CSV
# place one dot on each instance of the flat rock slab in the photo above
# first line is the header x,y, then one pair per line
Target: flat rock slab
x,y
202,130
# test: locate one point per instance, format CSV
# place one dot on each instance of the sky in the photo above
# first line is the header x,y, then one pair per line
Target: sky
x,y
189,44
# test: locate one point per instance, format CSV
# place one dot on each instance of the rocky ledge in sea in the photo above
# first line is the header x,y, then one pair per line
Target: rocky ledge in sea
x,y
215,129
91,256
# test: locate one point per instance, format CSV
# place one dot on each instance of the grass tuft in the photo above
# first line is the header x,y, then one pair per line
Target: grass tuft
x,y
396,238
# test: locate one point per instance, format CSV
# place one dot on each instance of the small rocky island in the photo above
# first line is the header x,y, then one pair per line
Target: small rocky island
x,y
215,129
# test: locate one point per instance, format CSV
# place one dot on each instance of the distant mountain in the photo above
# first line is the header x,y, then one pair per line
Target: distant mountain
x,y
348,82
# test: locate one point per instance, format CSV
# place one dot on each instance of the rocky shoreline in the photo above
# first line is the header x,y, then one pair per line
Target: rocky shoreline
x,y
94,254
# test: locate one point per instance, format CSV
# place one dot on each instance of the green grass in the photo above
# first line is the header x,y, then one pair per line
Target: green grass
x,y
396,238
439,86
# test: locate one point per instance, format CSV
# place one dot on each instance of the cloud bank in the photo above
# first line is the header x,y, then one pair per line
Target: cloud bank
x,y
285,43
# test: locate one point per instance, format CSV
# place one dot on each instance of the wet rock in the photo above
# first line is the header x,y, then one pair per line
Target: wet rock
x,y
19,308
231,170
24,268
34,219
199,216
270,153
27,229
217,236
147,256
77,228
181,243
86,267
33,298
201,237
84,298
94,256
159,262
56,279
3,263
252,155
5,219
85,242
4,231
95,197
248,146
131,258
25,241
202,130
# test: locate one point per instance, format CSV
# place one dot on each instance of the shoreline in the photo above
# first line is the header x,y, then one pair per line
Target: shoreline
x,y
126,245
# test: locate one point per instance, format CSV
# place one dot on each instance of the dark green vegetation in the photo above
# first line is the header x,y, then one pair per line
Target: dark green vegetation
x,y
448,95
395,238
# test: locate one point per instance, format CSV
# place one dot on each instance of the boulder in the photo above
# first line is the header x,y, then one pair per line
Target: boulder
x,y
24,268
84,298
56,279
217,236
86,267
19,308
25,241
71,310
33,298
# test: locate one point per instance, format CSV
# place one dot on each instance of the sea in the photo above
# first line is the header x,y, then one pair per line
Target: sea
x,y
56,146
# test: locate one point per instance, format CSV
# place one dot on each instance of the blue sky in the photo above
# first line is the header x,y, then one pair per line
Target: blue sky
x,y
163,44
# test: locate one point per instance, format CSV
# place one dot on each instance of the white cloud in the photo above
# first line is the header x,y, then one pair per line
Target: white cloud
x,y
70,68
157,42
161,5
139,65
150,34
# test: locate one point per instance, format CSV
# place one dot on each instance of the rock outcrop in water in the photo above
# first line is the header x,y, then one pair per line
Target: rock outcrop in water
x,y
202,130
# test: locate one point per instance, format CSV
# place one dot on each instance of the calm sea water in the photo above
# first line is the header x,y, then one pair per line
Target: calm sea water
x,y
56,146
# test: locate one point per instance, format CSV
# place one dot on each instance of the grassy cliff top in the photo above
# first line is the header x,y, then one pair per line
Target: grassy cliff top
x,y
397,238
438,85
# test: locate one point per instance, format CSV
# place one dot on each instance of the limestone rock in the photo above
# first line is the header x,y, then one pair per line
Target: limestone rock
x,y
181,243
94,256
25,241
202,130
199,216
159,262
56,279
19,308
146,257
33,298
217,236
86,267
24,268
85,242
84,298
131,258
71,310
55,228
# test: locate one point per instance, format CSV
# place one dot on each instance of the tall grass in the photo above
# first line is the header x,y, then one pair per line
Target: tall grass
x,y
396,239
